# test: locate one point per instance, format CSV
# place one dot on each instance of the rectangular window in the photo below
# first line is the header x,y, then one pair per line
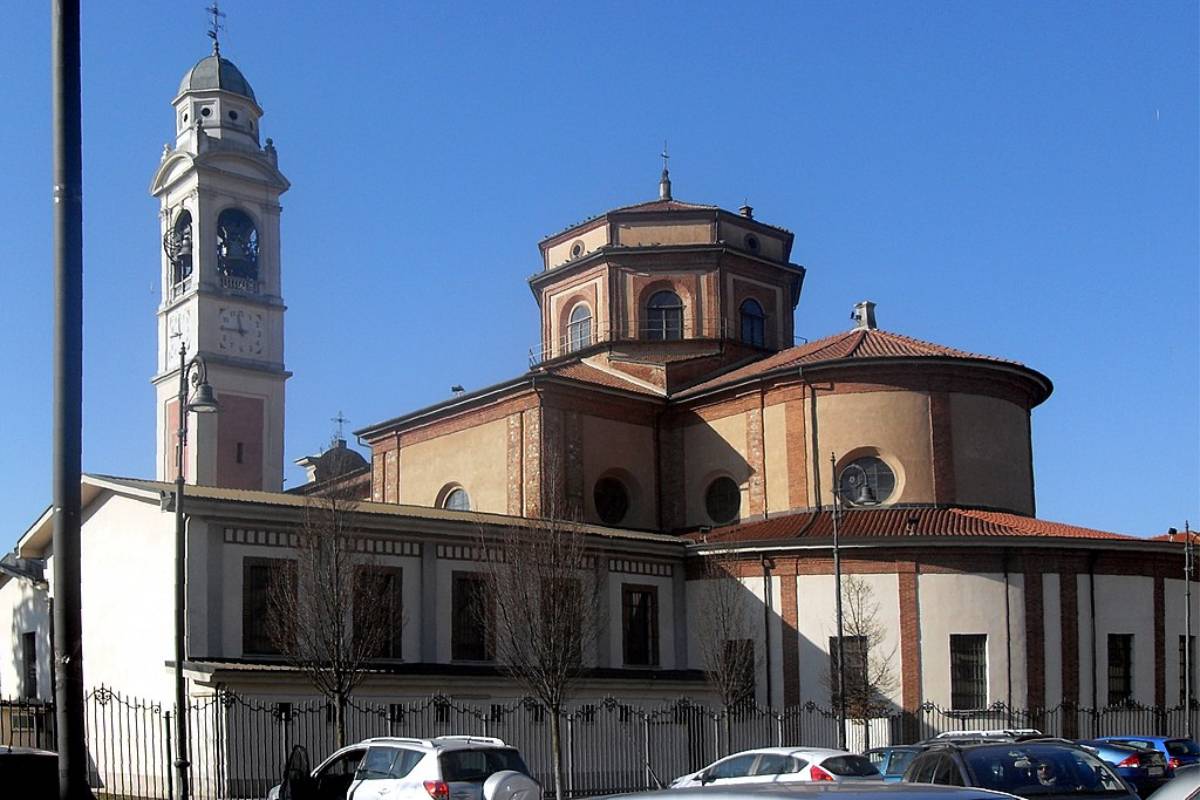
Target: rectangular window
x,y
562,599
968,671
737,662
639,625
29,685
471,619
241,452
262,630
379,611
1183,669
1120,668
857,689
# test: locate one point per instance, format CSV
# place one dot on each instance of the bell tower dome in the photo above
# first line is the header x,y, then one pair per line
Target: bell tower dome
x,y
218,191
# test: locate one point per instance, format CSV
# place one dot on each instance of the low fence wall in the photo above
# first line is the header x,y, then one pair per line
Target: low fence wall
x,y
238,743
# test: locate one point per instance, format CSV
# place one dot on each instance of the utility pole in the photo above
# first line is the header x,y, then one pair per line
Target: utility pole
x,y
1188,555
68,398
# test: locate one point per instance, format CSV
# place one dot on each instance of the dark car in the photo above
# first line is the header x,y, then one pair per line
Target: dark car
x,y
1058,769
1178,751
1145,768
892,761
29,773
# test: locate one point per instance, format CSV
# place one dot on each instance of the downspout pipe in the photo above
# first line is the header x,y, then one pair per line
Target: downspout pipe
x,y
1092,614
1008,638
768,609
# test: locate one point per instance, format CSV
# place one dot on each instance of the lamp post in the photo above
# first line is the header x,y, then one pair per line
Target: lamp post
x,y
1188,555
203,402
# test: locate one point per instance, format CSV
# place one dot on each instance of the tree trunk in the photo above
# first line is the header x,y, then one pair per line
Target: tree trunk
x,y
556,750
339,721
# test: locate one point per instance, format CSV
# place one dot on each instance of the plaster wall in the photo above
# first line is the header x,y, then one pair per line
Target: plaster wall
x,y
635,234
1052,622
891,425
224,611
474,458
816,622
30,611
666,617
711,450
624,451
593,239
1173,607
706,635
961,603
768,246
992,456
775,457
1124,605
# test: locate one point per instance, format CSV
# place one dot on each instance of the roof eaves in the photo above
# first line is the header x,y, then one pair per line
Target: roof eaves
x,y
445,405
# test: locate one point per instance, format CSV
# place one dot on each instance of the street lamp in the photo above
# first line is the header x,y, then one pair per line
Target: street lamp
x,y
203,402
864,496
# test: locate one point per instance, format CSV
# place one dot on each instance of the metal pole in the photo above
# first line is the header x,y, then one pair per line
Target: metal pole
x,y
181,715
68,398
837,584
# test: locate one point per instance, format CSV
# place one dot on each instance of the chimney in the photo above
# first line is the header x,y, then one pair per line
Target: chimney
x,y
864,315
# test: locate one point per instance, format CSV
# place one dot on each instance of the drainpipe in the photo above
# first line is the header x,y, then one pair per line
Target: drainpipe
x,y
1008,640
1092,602
816,450
768,608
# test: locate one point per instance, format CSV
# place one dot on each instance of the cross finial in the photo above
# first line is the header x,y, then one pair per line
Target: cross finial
x,y
664,183
217,27
340,421
665,156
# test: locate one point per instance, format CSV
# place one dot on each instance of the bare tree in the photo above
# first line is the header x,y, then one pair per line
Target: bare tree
x,y
725,637
334,610
870,674
542,611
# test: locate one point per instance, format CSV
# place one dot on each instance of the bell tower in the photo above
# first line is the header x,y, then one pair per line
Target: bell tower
x,y
218,191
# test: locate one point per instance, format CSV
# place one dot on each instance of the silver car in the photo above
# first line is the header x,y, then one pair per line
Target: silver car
x,y
822,791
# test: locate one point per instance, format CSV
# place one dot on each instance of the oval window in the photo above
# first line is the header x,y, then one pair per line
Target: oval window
x,y
612,500
723,500
866,481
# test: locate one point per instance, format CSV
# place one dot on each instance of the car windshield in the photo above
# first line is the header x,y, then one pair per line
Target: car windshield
x,y
476,766
850,766
1183,747
1030,769
900,761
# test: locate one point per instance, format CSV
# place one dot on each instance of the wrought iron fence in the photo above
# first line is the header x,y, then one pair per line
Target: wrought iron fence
x,y
238,743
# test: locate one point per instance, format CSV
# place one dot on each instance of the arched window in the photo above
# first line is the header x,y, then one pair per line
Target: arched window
x,y
753,323
664,317
177,244
237,245
723,500
457,499
579,328
611,499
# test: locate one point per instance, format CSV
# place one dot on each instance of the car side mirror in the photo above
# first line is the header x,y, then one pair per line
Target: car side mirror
x,y
706,778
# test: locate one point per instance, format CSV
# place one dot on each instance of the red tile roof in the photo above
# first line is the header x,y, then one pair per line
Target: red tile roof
x,y
898,523
859,343
586,373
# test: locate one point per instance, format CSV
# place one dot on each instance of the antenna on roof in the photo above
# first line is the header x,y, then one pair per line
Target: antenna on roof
x,y
217,27
664,183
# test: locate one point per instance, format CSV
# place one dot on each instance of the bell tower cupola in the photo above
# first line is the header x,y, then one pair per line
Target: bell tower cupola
x,y
222,298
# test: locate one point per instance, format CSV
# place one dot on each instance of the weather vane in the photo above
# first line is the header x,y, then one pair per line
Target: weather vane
x,y
217,27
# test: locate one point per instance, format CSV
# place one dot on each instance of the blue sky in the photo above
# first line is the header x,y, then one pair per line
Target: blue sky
x,y
1017,179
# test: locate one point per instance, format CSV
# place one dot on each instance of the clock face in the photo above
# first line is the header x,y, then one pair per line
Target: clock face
x,y
179,330
241,332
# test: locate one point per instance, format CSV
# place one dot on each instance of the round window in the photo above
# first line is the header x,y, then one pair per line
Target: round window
x,y
457,500
577,250
612,500
752,242
233,115
723,500
206,112
866,481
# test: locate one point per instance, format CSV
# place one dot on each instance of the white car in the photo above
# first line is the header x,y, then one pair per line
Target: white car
x,y
783,765
393,768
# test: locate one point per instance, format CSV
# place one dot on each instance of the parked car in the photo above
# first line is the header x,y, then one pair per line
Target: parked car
x,y
892,761
874,790
445,768
1027,769
1185,785
29,773
1179,752
1005,734
1145,768
782,765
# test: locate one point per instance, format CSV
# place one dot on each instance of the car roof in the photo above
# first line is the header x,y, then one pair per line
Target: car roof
x,y
825,791
436,743
814,752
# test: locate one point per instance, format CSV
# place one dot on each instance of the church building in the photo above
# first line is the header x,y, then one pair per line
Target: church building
x,y
669,411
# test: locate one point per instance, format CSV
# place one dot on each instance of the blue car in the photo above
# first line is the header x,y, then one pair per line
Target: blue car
x,y
1179,752
892,761
1144,768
